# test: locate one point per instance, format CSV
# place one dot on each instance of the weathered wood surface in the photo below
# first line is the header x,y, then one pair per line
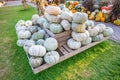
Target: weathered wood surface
x,y
65,53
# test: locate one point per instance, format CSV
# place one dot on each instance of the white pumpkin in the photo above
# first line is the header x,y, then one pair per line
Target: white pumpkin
x,y
89,24
37,36
79,17
34,18
41,20
56,28
52,57
36,61
51,44
108,31
40,42
37,50
42,31
52,18
73,44
20,23
66,25
78,27
87,41
93,31
24,34
28,23
80,36
21,42
101,27
67,16
32,29
65,10
98,37
46,25
53,10
19,28
46,36
28,44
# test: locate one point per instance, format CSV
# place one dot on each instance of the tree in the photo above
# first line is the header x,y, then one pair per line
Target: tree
x,y
24,2
40,6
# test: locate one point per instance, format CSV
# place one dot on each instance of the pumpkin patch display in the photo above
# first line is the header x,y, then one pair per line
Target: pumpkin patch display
x,y
52,57
87,41
66,25
41,20
37,36
98,37
101,27
66,16
89,24
32,29
94,31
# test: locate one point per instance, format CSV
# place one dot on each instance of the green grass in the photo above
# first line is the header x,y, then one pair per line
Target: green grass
x,y
101,62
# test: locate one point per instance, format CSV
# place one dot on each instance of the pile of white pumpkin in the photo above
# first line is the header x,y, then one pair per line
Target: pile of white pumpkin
x,y
41,47
85,32
36,42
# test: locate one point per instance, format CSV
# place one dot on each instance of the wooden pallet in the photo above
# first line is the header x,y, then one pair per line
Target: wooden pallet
x,y
65,53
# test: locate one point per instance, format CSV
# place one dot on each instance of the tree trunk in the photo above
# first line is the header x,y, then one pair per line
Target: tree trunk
x,y
24,2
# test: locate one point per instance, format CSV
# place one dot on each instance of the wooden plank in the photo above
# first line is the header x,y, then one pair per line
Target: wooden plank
x,y
62,58
63,50
67,48
63,38
49,32
62,43
65,33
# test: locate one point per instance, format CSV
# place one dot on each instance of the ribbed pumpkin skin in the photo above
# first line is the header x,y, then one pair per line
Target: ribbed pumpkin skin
x,y
32,29
73,44
101,27
37,50
20,23
108,31
24,34
89,24
52,57
66,16
40,42
28,23
98,37
65,10
20,28
34,18
21,42
56,28
52,18
80,36
53,10
93,31
87,41
79,17
78,27
46,25
37,36
66,25
51,44
35,61
41,20
28,44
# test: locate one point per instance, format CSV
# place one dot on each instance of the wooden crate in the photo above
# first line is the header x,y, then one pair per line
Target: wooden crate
x,y
65,53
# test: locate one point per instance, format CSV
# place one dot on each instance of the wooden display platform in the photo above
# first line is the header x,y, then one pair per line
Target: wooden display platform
x,y
65,53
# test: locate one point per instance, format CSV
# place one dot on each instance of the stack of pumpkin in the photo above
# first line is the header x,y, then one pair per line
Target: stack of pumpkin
x,y
84,31
57,20
33,39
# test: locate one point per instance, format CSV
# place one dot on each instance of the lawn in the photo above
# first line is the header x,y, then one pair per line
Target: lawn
x,y
101,62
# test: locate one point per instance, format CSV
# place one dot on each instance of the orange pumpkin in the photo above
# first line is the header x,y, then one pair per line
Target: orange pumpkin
x,y
71,2
102,19
76,2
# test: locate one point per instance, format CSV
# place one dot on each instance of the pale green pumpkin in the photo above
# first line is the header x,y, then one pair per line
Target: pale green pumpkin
x,y
56,28
35,61
87,41
108,31
98,37
37,36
